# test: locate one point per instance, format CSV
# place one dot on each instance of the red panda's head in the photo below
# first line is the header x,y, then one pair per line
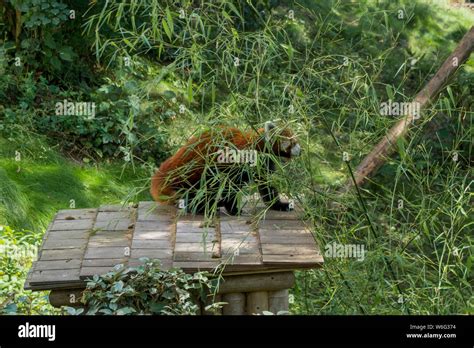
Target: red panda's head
x,y
284,143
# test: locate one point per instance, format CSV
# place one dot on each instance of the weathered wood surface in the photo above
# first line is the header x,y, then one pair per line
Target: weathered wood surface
x,y
257,282
69,297
257,302
278,301
235,303
83,242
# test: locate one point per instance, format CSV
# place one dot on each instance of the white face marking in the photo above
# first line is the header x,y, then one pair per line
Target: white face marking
x,y
285,145
296,150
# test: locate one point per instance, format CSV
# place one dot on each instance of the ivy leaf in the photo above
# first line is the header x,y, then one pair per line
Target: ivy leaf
x,y
118,286
66,53
125,311
10,308
55,63
49,41
156,307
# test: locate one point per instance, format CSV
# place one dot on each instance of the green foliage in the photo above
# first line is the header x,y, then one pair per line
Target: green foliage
x,y
41,182
325,72
37,27
49,64
40,13
147,289
17,251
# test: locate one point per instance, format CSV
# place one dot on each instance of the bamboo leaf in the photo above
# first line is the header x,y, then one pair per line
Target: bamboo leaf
x,y
166,28
234,9
190,90
169,19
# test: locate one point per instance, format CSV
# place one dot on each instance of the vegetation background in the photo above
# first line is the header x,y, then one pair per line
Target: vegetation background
x,y
159,71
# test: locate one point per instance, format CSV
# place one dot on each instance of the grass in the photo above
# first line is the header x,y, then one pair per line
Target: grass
x,y
42,182
414,218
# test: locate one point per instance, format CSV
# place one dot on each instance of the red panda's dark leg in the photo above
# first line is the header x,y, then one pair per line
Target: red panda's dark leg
x,y
268,193
271,198
231,205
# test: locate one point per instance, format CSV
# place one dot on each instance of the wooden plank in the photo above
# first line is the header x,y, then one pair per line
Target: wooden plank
x,y
109,234
146,206
151,244
257,282
58,286
163,226
63,243
62,254
57,264
115,215
97,242
103,262
151,235
285,233
251,259
165,264
283,225
113,207
195,241
69,225
192,256
240,248
107,252
76,214
74,234
155,212
113,225
289,249
240,244
195,247
281,215
152,253
55,276
193,227
196,265
195,237
89,272
269,239
292,259
183,217
236,228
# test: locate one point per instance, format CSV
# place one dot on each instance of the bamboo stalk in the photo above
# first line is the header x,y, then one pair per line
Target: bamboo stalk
x,y
377,157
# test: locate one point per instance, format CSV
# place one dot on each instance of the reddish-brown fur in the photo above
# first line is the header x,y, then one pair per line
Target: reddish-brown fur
x,y
184,168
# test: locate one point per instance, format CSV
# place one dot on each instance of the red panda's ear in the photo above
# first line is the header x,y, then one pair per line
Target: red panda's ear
x,y
269,125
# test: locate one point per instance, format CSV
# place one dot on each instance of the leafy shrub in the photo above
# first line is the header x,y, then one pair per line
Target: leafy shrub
x,y
126,125
17,251
147,289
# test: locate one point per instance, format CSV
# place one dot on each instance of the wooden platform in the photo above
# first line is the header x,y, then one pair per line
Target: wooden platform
x,y
82,242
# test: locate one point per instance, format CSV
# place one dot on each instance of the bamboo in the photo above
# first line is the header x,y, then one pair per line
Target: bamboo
x,y
377,157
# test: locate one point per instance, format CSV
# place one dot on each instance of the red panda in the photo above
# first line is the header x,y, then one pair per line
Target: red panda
x,y
195,164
